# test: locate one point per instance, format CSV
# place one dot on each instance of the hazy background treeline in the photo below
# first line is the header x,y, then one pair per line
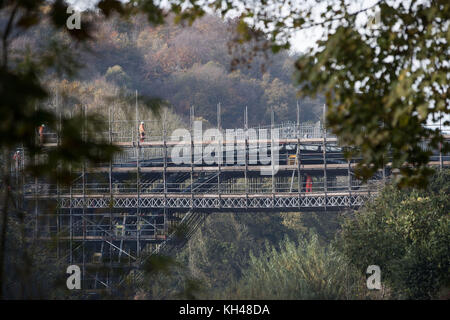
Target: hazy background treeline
x,y
181,65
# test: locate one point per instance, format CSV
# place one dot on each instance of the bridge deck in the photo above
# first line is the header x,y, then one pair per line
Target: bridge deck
x,y
170,143
239,141
200,195
235,168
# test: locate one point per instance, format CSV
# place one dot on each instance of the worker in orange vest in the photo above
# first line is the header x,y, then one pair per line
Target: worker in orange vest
x,y
41,133
308,183
142,131
16,158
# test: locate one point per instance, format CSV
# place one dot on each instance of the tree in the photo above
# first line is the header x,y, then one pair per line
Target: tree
x,y
406,233
382,84
118,76
279,96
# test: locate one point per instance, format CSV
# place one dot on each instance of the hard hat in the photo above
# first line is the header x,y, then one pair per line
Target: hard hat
x,y
42,125
142,122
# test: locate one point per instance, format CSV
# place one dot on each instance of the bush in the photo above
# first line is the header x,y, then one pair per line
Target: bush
x,y
306,270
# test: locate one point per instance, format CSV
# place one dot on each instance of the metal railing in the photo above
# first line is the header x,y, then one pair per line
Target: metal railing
x,y
238,187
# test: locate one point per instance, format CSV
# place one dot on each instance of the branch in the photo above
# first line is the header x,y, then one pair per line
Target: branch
x,y
6,34
316,24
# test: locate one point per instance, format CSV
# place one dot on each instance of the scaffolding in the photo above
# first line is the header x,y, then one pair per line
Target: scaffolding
x,y
114,214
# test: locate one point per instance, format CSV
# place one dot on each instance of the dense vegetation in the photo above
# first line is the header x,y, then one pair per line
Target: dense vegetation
x,y
406,233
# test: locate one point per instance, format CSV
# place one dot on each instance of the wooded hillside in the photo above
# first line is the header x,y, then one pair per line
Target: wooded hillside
x,y
184,66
